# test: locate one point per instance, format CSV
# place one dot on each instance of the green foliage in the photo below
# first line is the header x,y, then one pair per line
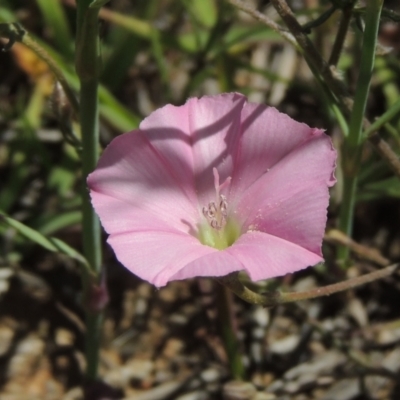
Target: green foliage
x,y
55,19
49,243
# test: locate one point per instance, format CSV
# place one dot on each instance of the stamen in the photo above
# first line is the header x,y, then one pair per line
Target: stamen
x,y
217,212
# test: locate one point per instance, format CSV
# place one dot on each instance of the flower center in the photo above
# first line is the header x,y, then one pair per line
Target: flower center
x,y
220,231
216,212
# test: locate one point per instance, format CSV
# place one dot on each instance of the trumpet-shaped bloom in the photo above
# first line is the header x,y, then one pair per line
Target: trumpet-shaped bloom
x,y
215,186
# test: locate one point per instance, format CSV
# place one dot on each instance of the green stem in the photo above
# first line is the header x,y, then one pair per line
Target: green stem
x,y
88,69
351,156
90,144
346,215
92,343
91,224
228,331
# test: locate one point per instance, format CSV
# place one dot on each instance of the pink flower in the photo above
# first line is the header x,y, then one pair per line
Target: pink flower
x,y
215,186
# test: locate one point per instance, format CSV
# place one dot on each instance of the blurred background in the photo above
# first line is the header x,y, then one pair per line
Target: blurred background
x,y
168,343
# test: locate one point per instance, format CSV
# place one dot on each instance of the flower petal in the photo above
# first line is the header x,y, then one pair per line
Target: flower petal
x,y
265,256
195,138
268,136
167,129
131,171
216,263
290,200
215,128
157,256
118,216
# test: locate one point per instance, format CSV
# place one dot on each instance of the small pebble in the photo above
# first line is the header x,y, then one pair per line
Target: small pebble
x,y
210,375
145,290
160,392
135,369
304,284
6,337
346,389
261,316
263,396
256,351
27,355
199,395
276,386
388,336
320,364
178,319
258,333
292,387
64,337
392,360
74,394
236,390
173,347
285,345
141,306
357,310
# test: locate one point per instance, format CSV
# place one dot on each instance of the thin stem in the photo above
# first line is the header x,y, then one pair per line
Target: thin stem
x,y
367,61
228,330
386,152
339,287
312,55
366,253
265,20
273,299
347,13
319,21
90,222
233,283
300,40
346,214
94,321
90,144
87,63
353,145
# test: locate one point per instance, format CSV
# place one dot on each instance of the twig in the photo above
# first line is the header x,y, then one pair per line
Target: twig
x,y
366,253
384,150
272,299
265,20
347,13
